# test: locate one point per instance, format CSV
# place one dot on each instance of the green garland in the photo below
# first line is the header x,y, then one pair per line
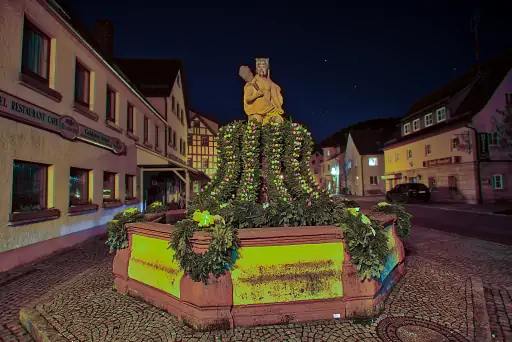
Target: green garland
x,y
221,254
117,235
250,180
272,146
403,218
366,241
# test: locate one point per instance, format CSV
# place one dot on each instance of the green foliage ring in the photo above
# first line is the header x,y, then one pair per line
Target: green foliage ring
x,y
403,218
117,235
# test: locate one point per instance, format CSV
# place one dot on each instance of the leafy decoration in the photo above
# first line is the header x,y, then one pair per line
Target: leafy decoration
x,y
403,218
250,178
156,207
220,256
272,149
116,229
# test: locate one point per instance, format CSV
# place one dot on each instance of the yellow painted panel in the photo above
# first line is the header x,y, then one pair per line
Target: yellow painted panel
x,y
151,263
274,274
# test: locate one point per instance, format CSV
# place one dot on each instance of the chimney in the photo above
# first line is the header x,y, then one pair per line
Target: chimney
x,y
104,34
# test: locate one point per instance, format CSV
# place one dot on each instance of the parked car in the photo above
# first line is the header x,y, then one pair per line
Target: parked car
x,y
408,192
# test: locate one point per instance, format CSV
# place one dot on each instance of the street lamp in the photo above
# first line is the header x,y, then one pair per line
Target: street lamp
x,y
335,172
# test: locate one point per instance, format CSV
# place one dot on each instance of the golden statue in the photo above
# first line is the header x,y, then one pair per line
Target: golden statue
x,y
262,97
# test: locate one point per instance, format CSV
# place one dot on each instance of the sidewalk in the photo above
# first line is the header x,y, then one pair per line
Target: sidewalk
x,y
441,295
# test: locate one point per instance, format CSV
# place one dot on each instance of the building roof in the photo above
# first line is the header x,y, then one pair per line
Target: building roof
x,y
154,77
207,116
371,141
481,82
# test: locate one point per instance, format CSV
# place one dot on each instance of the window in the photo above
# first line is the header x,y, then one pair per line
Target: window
x,y
204,141
407,128
36,52
453,184
397,156
508,99
497,182
428,150
328,153
173,104
494,138
372,161
78,186
409,154
111,104
174,139
205,163
156,136
178,110
109,188
29,186
441,114
432,183
189,140
128,185
169,137
454,144
416,125
428,120
146,129
374,180
129,118
82,84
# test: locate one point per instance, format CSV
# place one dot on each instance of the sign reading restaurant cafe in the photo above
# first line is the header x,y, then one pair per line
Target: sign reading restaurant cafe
x,y
19,110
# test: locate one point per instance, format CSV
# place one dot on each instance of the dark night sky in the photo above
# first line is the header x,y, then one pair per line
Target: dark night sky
x,y
336,66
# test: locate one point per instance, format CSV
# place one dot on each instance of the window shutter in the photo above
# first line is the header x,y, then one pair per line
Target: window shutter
x,y
493,182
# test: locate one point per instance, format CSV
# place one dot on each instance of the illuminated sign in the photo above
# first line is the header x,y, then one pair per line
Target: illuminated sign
x,y
19,110
441,161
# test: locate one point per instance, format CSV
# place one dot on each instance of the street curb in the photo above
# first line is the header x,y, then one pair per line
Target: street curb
x,y
480,318
38,327
489,213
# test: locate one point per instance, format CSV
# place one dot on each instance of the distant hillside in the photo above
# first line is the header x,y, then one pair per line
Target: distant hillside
x,y
340,137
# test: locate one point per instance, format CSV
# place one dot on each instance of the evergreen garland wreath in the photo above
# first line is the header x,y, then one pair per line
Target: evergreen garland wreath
x,y
403,218
250,181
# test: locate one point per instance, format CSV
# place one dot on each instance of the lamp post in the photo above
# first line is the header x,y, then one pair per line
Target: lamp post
x,y
335,172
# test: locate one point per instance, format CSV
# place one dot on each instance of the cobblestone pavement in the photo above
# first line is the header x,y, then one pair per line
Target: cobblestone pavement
x,y
433,301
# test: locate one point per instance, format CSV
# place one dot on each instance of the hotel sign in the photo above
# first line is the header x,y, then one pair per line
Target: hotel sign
x,y
441,161
19,110
483,146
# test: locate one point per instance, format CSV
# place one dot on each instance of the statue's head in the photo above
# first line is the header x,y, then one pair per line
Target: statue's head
x,y
262,66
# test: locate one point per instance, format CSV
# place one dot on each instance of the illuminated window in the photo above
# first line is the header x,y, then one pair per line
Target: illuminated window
x,y
416,125
441,114
109,188
409,154
428,120
78,186
407,128
372,161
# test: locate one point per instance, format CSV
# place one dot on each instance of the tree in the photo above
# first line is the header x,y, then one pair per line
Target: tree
x,y
504,127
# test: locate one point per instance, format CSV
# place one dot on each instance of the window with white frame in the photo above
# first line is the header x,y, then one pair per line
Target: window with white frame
x,y
428,120
494,138
416,125
407,128
497,181
409,154
374,180
372,161
441,114
428,150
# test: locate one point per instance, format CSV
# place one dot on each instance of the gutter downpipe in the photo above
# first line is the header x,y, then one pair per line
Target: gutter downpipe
x,y
478,176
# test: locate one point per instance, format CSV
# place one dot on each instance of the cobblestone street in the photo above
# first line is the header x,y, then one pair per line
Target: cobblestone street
x,y
436,299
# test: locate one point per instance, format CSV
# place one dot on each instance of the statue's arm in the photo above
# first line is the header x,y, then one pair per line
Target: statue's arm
x,y
251,94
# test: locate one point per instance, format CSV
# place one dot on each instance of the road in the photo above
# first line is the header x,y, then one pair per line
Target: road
x,y
483,226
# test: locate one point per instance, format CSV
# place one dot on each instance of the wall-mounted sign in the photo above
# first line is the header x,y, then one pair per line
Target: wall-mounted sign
x,y
442,161
483,146
19,110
